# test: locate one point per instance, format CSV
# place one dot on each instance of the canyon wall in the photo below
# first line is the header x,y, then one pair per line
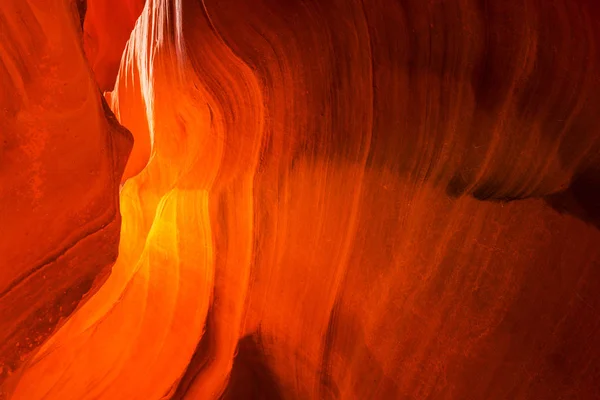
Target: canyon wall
x,y
333,199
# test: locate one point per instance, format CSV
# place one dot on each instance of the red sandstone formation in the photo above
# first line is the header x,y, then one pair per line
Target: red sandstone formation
x,y
324,200
61,156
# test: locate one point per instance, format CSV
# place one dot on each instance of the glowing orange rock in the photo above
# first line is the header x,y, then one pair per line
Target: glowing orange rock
x,y
62,154
303,214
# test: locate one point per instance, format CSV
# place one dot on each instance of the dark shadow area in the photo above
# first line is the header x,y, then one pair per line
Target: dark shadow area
x,y
82,9
485,191
581,200
251,377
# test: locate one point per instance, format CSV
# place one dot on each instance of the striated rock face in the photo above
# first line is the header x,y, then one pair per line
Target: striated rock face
x,y
61,157
325,199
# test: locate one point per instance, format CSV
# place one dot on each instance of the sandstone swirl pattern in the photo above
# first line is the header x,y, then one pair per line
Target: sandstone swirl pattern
x,y
340,199
62,154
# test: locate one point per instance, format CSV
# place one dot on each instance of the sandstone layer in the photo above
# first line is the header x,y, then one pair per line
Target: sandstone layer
x,y
334,199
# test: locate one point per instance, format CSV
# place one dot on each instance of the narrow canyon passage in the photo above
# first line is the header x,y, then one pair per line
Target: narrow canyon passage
x,y
299,199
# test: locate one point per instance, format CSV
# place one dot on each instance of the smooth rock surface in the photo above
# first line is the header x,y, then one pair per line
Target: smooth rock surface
x,y
337,200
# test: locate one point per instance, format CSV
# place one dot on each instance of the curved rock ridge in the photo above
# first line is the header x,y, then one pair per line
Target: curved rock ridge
x,y
333,199
62,154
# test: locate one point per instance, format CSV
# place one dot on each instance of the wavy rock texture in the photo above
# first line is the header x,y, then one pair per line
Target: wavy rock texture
x,y
332,199
62,154
106,30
